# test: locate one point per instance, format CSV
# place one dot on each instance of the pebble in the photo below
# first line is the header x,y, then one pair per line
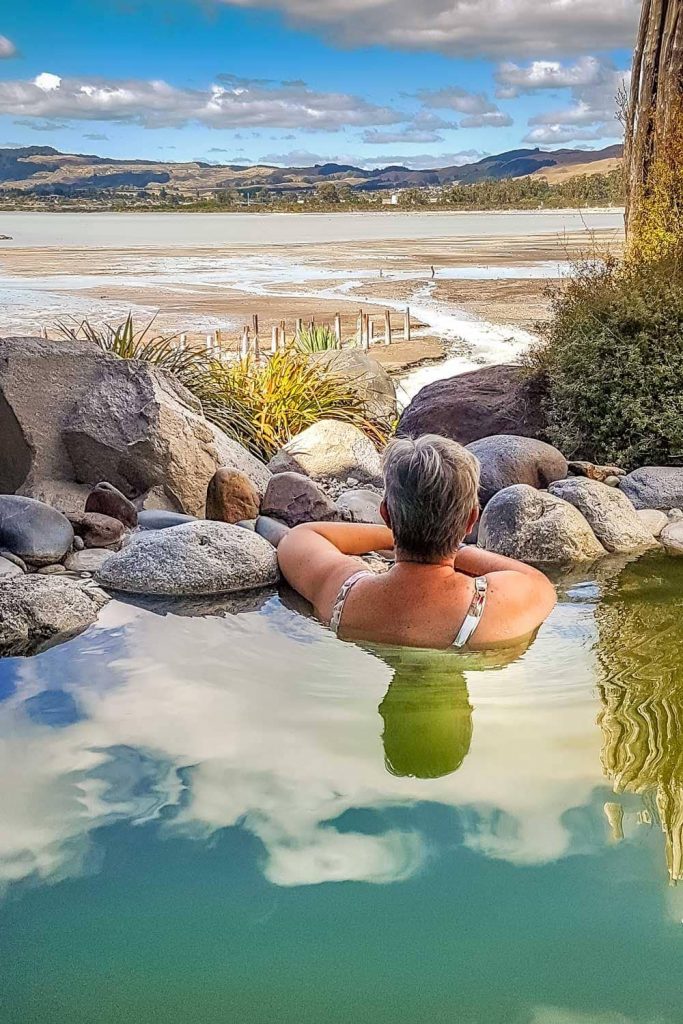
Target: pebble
x,y
52,570
8,568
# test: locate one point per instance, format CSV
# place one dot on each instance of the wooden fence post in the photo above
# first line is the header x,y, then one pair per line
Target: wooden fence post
x,y
283,335
359,329
387,327
273,338
244,345
182,342
406,324
365,331
299,326
371,332
337,328
254,327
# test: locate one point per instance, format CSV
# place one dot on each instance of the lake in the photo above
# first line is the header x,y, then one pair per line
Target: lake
x,y
237,816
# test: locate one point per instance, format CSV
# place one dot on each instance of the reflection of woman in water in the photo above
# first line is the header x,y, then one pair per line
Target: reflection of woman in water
x,y
426,711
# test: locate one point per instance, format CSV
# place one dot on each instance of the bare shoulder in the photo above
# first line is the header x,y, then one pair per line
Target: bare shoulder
x,y
516,604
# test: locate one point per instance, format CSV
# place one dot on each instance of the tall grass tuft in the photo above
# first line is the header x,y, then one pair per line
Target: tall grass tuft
x,y
316,338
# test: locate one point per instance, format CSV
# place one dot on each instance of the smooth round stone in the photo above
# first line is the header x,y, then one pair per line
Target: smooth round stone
x,y
671,539
36,532
231,497
52,570
247,524
271,530
653,520
159,519
97,530
108,500
361,506
88,560
8,568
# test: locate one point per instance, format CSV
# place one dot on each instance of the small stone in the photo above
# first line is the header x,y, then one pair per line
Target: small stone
x,y
51,570
653,520
593,472
98,530
11,557
671,538
89,560
352,482
247,524
612,481
36,532
271,530
158,519
79,544
108,500
361,506
675,514
293,499
231,496
8,568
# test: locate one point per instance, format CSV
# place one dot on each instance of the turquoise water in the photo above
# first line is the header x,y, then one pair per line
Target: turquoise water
x,y
240,818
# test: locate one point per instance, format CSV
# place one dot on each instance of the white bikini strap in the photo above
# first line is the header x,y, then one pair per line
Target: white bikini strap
x,y
473,617
335,620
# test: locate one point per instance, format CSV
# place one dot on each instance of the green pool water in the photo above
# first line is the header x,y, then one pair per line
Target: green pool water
x,y
238,818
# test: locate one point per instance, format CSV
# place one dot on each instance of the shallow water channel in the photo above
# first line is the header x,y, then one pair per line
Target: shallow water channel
x,y
235,816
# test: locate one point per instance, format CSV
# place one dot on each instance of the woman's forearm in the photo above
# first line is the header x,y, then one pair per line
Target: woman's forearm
x,y
477,562
352,538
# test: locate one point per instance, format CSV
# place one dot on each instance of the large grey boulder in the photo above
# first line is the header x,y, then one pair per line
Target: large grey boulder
x,y
469,406
37,612
70,412
671,538
195,558
294,498
537,527
654,487
610,514
507,460
330,449
371,382
139,428
37,533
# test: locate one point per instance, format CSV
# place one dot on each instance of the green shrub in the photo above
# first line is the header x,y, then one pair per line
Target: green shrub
x,y
610,365
316,338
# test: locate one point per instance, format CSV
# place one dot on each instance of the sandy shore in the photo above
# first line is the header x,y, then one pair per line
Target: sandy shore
x,y
457,288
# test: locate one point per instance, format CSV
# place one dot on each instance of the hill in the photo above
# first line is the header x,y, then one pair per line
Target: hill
x,y
44,170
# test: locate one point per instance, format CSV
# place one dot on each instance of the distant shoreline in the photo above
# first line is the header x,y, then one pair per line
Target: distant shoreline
x,y
389,211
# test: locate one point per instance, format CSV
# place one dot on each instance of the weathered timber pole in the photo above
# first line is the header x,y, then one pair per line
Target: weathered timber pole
x,y
656,98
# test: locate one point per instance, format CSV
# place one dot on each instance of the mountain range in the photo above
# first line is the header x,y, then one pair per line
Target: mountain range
x,y
42,169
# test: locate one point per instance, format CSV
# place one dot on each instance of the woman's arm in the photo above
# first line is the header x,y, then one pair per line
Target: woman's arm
x,y
316,558
476,561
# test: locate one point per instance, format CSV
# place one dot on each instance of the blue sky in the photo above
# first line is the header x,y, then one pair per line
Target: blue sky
x,y
421,82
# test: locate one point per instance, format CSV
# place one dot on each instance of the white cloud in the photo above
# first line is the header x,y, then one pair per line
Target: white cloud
x,y
7,48
547,74
424,127
492,119
227,103
455,98
418,162
493,28
557,133
592,111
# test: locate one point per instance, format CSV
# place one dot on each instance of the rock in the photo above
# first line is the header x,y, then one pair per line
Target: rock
x,y
37,612
52,570
507,460
195,558
160,520
481,403
330,448
609,513
247,524
653,520
536,527
675,514
654,487
593,472
371,381
108,500
271,530
89,560
612,481
361,506
671,539
101,417
156,500
138,427
98,531
36,532
293,499
11,557
8,568
231,496
64,495
78,544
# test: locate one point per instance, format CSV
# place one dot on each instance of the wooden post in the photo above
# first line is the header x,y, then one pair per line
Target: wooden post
x,y
406,324
257,347
182,342
360,329
371,332
244,344
337,328
387,327
43,332
254,327
209,344
273,338
283,335
365,331
299,326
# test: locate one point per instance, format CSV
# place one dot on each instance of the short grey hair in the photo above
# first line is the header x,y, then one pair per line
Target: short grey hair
x,y
431,489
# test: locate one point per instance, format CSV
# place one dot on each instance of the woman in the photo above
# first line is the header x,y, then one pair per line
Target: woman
x,y
438,594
